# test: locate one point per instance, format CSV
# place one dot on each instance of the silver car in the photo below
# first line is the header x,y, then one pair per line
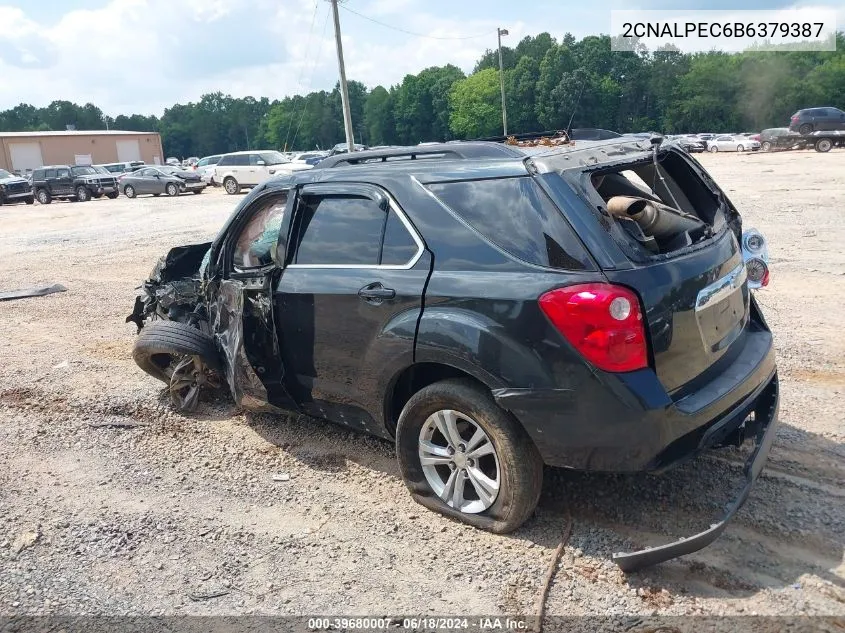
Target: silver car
x,y
160,179
731,143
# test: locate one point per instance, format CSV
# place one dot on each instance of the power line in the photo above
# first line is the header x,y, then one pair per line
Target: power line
x,y
311,78
401,30
302,68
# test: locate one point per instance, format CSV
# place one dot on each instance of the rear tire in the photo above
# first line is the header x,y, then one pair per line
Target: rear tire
x,y
43,196
198,191
805,128
129,191
519,467
231,186
766,146
113,195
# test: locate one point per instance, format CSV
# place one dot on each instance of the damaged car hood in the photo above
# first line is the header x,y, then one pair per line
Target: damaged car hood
x,y
174,287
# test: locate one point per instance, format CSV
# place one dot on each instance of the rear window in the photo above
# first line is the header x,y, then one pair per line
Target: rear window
x,y
518,217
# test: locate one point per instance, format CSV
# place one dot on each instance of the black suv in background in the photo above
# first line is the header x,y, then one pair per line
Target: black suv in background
x,y
817,120
490,310
65,182
14,189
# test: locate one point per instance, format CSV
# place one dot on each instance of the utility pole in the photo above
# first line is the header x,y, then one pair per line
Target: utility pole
x,y
500,33
344,91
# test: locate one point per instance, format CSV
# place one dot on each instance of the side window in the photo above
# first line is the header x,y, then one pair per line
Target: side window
x,y
398,247
253,159
145,173
50,173
240,160
226,160
339,230
518,217
254,246
63,173
38,174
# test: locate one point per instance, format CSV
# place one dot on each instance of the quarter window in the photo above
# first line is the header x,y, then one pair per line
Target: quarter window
x,y
398,247
518,217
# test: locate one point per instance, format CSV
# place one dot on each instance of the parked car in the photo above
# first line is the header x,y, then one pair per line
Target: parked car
x,y
15,189
240,170
205,168
817,120
161,179
173,162
308,158
691,144
342,148
779,138
727,143
121,168
76,183
190,162
470,303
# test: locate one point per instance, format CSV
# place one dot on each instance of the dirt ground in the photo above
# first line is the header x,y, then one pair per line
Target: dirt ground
x,y
158,513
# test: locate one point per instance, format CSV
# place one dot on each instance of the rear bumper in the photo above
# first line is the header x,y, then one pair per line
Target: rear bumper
x,y
628,422
765,423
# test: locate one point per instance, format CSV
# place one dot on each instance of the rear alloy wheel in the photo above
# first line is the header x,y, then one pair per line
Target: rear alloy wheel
x,y
171,189
463,456
714,149
231,186
824,145
82,194
129,191
766,146
44,196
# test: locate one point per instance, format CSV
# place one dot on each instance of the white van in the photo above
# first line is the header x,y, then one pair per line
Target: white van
x,y
247,169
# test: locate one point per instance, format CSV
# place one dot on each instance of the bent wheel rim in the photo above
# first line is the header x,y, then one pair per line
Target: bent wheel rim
x,y
188,376
459,461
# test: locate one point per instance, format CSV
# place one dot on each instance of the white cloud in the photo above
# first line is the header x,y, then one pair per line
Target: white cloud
x,y
140,56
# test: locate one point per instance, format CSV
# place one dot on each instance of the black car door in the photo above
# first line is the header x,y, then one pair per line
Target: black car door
x,y
242,314
63,184
348,301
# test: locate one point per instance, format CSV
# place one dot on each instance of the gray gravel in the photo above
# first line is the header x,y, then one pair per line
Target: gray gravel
x,y
158,516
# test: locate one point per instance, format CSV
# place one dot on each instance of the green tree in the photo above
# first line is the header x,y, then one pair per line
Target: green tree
x,y
475,104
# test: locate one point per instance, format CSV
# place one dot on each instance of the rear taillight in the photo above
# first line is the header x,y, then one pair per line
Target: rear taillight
x,y
794,119
603,322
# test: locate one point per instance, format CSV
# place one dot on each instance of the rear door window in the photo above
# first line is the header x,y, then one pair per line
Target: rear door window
x,y
518,217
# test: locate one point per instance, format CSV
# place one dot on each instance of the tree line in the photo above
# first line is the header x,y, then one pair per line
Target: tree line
x,y
547,82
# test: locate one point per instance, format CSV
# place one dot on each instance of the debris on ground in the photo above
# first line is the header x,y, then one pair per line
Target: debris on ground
x,y
200,597
281,477
39,291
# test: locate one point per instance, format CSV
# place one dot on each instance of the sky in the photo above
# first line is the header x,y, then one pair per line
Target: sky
x,y
141,56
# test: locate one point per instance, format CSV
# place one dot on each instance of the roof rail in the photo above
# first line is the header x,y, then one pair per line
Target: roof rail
x,y
446,151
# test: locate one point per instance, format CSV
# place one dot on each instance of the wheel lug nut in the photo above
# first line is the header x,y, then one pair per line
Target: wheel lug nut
x,y
461,447
451,450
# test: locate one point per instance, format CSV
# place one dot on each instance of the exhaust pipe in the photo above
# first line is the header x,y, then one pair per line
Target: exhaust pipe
x,y
654,218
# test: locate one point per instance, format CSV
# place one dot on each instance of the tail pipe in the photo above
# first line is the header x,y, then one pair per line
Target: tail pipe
x,y
655,219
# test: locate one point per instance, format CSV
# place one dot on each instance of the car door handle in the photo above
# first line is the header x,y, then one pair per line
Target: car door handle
x,y
376,291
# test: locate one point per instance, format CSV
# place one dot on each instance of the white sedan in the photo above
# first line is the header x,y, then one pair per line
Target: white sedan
x,y
728,143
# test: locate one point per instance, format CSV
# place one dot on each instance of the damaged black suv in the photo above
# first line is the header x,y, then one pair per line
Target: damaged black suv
x,y
489,311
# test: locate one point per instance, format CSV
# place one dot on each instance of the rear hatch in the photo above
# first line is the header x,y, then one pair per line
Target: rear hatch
x,y
679,236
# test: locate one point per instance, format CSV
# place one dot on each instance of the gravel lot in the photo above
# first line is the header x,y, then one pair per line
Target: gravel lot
x,y
153,517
